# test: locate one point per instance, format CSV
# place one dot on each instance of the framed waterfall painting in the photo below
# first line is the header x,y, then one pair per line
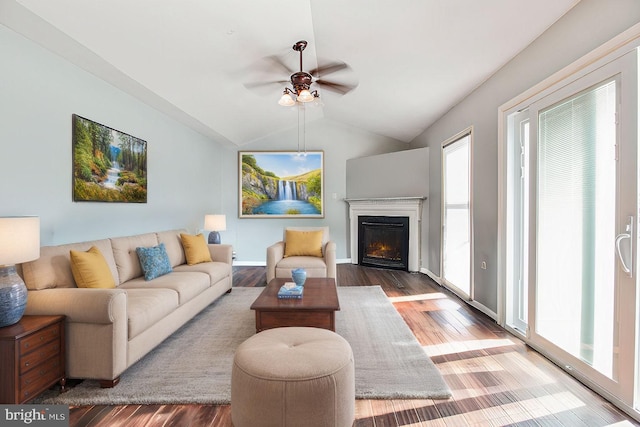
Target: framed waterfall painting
x,y
108,165
281,184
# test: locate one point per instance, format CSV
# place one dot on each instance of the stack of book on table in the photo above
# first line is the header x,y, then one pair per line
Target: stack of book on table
x,y
290,290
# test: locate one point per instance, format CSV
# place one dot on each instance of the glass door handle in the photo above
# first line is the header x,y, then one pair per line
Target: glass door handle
x,y
626,236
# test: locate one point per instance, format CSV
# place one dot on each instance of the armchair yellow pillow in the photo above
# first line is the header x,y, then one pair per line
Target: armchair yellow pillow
x,y
195,249
90,269
303,243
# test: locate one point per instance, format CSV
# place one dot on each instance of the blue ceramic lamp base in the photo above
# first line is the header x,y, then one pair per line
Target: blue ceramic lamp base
x,y
13,296
214,238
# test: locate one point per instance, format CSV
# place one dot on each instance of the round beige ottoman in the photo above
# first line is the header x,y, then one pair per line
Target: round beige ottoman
x,y
293,377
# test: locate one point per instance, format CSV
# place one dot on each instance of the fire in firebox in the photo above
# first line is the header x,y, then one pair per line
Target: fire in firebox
x,y
383,241
383,250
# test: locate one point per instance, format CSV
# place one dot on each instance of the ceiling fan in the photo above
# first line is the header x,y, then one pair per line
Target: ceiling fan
x,y
301,81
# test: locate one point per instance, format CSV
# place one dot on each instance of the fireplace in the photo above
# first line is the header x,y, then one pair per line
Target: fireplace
x,y
410,207
383,241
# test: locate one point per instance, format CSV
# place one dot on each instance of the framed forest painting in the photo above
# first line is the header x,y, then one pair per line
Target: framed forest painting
x,y
108,165
277,184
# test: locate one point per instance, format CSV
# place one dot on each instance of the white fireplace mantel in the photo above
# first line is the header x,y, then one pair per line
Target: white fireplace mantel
x,y
388,206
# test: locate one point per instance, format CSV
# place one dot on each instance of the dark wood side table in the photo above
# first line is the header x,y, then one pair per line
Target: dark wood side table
x,y
31,357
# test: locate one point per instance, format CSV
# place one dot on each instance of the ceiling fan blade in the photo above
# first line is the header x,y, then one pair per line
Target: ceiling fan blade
x,y
276,60
340,88
329,68
254,85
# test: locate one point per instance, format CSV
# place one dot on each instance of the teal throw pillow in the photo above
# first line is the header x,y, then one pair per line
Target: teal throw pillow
x,y
154,261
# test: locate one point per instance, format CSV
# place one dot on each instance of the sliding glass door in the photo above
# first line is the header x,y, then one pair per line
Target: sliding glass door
x,y
576,227
572,226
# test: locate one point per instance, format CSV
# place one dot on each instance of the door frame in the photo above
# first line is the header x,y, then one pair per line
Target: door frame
x,y
606,53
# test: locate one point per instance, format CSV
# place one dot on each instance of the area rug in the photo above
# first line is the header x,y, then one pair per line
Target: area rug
x,y
194,364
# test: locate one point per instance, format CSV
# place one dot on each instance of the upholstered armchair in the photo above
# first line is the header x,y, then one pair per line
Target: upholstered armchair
x,y
302,247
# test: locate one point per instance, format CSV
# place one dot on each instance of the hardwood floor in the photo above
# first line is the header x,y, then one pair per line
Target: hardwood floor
x,y
495,379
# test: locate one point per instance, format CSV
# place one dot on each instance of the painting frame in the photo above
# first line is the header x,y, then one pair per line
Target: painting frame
x,y
281,184
108,165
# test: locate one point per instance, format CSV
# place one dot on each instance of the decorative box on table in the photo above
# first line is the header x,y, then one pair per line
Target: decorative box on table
x,y
290,290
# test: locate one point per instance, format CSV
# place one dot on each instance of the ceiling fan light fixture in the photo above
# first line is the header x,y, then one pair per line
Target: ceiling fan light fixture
x,y
286,100
305,96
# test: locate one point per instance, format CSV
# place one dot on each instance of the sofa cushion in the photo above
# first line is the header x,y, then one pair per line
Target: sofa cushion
x,y
90,269
173,245
145,307
154,261
53,268
195,248
124,253
303,243
188,285
215,270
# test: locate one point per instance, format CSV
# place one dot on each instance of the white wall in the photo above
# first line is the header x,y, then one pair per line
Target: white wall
x,y
588,25
39,92
251,236
190,175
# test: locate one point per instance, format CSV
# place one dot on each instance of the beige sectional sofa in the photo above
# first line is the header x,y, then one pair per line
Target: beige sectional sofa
x,y
108,330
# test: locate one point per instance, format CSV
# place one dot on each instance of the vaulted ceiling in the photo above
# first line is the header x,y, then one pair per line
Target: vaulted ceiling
x,y
198,60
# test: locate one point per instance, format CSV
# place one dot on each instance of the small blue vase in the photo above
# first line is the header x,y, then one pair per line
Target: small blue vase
x,y
299,275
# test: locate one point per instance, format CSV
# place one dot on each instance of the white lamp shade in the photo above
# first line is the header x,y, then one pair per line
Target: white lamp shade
x,y
19,239
215,222
305,96
286,100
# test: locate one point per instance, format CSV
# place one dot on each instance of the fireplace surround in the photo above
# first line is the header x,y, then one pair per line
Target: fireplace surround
x,y
410,207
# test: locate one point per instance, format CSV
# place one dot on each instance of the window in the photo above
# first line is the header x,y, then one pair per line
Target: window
x,y
456,221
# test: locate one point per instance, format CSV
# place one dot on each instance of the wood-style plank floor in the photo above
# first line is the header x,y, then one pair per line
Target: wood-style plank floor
x,y
495,379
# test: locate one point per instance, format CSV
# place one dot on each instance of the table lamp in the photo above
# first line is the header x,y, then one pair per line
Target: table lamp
x,y
19,242
215,223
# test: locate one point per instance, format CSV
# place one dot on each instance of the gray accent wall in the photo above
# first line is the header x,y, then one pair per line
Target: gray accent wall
x,y
400,174
588,25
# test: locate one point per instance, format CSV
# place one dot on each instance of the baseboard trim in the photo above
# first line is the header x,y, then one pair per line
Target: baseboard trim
x,y
431,275
264,263
475,304
249,263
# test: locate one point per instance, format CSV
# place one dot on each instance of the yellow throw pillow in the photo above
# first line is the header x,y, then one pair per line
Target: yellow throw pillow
x,y
303,243
195,249
90,269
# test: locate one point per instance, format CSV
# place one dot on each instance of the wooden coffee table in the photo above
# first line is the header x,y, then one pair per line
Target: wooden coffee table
x,y
316,308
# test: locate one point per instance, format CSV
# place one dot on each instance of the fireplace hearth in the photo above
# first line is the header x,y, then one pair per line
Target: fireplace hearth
x,y
383,241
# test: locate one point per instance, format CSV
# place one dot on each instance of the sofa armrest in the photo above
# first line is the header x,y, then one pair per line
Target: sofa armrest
x,y
102,306
330,259
221,253
96,329
275,253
